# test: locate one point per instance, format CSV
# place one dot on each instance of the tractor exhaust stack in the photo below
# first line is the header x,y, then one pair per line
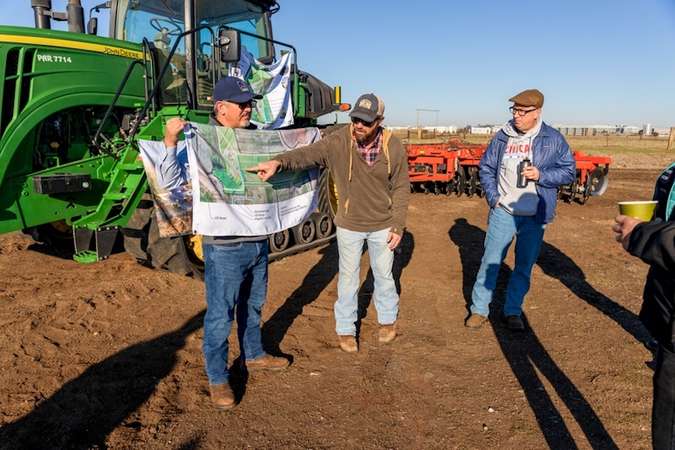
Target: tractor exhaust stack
x,y
42,10
75,14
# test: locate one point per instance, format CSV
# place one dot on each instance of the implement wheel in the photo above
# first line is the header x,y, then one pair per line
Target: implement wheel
x,y
460,184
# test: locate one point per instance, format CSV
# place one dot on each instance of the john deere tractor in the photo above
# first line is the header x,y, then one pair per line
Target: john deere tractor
x,y
73,106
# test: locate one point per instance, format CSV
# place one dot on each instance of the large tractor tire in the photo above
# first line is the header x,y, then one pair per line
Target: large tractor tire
x,y
180,254
328,196
57,236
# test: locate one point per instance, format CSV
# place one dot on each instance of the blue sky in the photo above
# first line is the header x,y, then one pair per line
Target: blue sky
x,y
597,62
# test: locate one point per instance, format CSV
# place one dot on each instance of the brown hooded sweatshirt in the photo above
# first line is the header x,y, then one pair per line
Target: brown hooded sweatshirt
x,y
370,198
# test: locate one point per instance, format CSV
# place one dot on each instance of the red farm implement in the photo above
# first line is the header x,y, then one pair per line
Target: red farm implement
x,y
452,168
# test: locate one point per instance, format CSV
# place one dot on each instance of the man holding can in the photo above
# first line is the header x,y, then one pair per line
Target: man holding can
x,y
520,172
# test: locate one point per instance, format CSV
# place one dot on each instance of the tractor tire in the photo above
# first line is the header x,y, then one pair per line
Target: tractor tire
x,y
328,196
57,236
142,241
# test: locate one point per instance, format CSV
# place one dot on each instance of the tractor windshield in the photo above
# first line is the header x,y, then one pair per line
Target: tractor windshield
x,y
162,21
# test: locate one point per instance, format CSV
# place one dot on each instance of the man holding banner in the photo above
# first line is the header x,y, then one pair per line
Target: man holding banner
x,y
235,266
370,169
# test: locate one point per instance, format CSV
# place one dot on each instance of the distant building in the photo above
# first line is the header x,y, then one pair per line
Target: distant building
x,y
449,129
595,130
485,129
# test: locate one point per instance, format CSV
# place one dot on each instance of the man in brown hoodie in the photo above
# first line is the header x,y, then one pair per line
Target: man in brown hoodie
x,y
370,169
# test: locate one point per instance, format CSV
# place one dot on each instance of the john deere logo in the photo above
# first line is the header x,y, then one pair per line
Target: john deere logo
x,y
365,103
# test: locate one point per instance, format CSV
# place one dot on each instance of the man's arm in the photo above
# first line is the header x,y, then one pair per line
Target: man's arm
x,y
654,243
170,172
316,154
400,195
563,172
487,171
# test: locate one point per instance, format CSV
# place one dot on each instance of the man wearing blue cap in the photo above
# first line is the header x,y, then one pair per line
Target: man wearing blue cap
x,y
235,267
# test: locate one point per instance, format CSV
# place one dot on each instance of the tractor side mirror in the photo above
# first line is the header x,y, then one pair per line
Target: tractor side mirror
x,y
92,26
229,42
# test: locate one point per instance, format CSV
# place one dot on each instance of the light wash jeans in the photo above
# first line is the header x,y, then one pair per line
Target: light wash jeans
x,y
502,227
235,276
350,249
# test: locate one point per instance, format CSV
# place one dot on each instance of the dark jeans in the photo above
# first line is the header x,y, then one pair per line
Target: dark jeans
x,y
235,275
663,411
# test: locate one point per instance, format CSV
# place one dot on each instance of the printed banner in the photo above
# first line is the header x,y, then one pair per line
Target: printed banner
x,y
227,200
173,204
272,81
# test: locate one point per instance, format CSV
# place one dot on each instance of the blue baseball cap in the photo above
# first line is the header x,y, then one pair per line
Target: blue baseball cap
x,y
232,89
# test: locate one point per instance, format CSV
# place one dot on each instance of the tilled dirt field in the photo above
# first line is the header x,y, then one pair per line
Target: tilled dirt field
x,y
109,355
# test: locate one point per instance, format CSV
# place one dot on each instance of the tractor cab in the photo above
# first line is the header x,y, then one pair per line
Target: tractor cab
x,y
195,62
210,37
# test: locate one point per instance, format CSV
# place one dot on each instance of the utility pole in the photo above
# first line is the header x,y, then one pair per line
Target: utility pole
x,y
419,110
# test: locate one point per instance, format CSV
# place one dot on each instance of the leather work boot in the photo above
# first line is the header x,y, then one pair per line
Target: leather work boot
x,y
386,333
514,323
267,362
222,396
475,321
348,343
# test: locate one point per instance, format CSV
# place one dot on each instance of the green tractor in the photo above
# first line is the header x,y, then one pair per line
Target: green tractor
x,y
74,105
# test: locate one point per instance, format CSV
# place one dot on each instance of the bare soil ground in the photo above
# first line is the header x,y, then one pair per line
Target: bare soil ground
x,y
109,355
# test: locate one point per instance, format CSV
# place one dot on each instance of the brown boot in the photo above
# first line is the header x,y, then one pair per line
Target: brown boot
x,y
386,333
267,362
222,396
348,343
475,321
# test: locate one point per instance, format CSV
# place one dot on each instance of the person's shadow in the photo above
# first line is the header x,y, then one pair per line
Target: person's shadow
x,y
402,257
316,280
558,265
82,413
527,356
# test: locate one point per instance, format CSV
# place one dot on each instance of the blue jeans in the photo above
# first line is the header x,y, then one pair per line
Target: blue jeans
x,y
235,275
350,249
502,227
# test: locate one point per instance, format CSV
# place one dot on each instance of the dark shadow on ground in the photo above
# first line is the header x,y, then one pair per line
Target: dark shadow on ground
x,y
316,280
558,265
526,355
401,259
82,413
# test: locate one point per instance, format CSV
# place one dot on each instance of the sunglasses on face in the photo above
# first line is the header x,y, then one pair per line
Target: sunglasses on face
x,y
250,103
241,106
356,120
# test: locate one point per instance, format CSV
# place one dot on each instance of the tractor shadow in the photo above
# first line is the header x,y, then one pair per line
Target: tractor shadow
x,y
525,353
82,413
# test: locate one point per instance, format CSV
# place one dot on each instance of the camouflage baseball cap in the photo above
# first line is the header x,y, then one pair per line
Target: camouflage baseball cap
x,y
368,107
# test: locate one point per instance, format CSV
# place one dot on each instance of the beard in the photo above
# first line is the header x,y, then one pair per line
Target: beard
x,y
365,138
